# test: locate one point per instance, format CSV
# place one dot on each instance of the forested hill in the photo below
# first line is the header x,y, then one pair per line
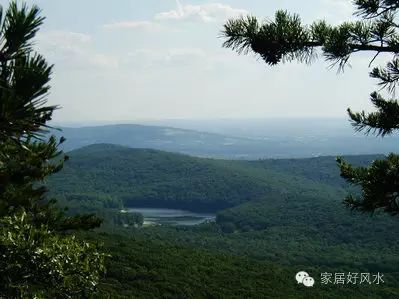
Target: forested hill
x,y
288,212
115,175
320,169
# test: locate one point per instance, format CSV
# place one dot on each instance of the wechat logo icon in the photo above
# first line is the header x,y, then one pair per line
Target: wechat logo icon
x,y
304,278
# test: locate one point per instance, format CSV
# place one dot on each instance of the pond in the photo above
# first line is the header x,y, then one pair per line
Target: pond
x,y
155,216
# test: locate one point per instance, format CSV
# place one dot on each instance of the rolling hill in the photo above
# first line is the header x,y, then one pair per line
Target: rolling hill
x,y
151,178
273,218
246,195
275,144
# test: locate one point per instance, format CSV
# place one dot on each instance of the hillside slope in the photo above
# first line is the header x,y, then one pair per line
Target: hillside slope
x,y
319,169
289,215
150,178
142,268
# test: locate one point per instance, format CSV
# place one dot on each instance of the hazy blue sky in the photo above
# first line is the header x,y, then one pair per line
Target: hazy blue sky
x,y
156,59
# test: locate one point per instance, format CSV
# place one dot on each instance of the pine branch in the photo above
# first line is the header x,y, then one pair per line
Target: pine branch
x,y
388,76
379,185
287,39
375,8
383,122
24,76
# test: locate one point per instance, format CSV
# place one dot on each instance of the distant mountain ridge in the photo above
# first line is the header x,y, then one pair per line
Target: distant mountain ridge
x,y
215,145
152,137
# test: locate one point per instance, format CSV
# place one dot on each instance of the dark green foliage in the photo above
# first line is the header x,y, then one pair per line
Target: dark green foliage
x,y
150,178
81,222
375,8
22,165
37,260
87,203
120,218
286,39
24,78
299,232
150,268
383,122
297,246
25,160
296,223
24,75
225,226
379,185
320,169
153,178
271,40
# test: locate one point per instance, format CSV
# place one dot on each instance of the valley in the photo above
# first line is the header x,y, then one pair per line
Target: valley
x,y
287,212
154,216
175,170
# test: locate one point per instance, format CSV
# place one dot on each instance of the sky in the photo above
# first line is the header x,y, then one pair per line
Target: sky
x,y
163,59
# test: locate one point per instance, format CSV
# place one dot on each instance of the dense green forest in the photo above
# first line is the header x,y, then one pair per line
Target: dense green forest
x,y
274,218
293,219
154,178
143,267
114,176
319,169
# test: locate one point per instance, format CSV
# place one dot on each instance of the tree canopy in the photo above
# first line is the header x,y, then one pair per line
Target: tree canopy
x,y
38,260
375,30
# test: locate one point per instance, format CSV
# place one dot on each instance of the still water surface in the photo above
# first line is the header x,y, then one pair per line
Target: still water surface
x,y
155,216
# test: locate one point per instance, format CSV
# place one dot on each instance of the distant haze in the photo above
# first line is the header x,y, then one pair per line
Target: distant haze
x,y
247,128
236,139
162,59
